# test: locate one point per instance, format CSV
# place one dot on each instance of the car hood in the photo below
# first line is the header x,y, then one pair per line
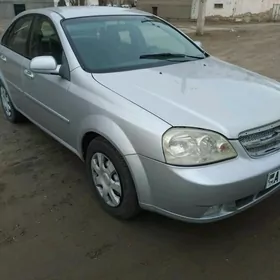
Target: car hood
x,y
207,93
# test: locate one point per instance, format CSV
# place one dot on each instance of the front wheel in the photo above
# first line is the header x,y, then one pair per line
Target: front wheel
x,y
9,110
111,180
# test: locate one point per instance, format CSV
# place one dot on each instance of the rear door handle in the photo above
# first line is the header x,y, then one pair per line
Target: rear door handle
x,y
3,57
28,73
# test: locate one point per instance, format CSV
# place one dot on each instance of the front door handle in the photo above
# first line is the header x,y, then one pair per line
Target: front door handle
x,y
3,57
28,73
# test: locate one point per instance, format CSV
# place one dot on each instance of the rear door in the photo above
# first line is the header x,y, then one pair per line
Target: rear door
x,y
13,51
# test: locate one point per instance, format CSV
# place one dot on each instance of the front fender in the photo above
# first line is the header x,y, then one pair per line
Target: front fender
x,y
108,129
112,132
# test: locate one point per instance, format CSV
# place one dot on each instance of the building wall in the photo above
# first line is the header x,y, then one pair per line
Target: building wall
x,y
7,6
234,8
87,2
168,9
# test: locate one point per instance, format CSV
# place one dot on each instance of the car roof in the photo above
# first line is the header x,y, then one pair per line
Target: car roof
x,y
86,11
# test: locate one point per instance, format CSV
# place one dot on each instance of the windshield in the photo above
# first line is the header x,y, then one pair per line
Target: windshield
x,y
118,43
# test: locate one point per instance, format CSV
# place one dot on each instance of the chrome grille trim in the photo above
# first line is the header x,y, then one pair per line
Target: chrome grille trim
x,y
261,141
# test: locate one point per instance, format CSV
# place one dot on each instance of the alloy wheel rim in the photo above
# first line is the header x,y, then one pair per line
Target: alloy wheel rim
x,y
106,179
6,102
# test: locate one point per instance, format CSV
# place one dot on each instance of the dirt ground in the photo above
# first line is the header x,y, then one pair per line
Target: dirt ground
x,y
51,229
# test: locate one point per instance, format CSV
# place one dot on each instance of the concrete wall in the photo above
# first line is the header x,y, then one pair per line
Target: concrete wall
x,y
7,6
87,2
168,9
254,6
234,8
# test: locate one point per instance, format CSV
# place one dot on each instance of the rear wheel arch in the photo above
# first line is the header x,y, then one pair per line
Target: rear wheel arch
x,y
12,115
3,83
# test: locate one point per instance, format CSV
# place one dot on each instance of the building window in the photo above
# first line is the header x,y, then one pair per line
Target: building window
x,y
155,10
18,8
218,6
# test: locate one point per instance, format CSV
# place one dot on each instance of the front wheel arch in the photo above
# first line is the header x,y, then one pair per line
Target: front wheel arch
x,y
98,125
129,206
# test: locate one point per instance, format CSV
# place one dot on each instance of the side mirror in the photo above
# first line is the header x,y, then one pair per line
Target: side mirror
x,y
44,65
198,43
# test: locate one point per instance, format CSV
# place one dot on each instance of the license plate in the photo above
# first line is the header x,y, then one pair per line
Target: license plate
x,y
273,179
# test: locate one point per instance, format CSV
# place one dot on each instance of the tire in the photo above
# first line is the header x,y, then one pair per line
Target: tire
x,y
10,112
128,206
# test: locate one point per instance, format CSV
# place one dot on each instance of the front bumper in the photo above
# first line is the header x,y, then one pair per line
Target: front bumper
x,y
203,194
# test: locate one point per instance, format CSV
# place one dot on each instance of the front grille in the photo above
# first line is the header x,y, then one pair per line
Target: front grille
x,y
261,141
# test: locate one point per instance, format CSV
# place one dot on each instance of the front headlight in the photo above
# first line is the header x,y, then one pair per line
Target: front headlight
x,y
188,146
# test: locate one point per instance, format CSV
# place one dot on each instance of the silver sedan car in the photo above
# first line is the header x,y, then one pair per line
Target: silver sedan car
x,y
160,124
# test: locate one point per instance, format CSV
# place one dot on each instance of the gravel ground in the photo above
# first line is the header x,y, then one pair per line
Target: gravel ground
x,y
50,228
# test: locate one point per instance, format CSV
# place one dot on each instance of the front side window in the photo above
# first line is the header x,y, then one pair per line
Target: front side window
x,y
16,38
118,43
44,40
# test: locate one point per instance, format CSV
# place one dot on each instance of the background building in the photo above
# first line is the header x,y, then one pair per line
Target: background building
x,y
260,10
10,8
168,9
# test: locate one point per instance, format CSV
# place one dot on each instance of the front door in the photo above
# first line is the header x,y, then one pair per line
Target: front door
x,y
45,93
12,53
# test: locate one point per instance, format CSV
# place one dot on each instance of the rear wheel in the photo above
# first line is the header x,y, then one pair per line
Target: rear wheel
x,y
111,181
9,110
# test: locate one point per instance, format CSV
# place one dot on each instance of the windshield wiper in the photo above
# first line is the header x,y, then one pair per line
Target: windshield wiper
x,y
168,56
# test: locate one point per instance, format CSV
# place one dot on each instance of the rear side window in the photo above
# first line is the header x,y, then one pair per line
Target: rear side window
x,y
16,37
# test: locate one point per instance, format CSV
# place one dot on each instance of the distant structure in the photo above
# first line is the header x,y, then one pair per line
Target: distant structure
x,y
168,9
87,2
10,8
241,10
125,3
